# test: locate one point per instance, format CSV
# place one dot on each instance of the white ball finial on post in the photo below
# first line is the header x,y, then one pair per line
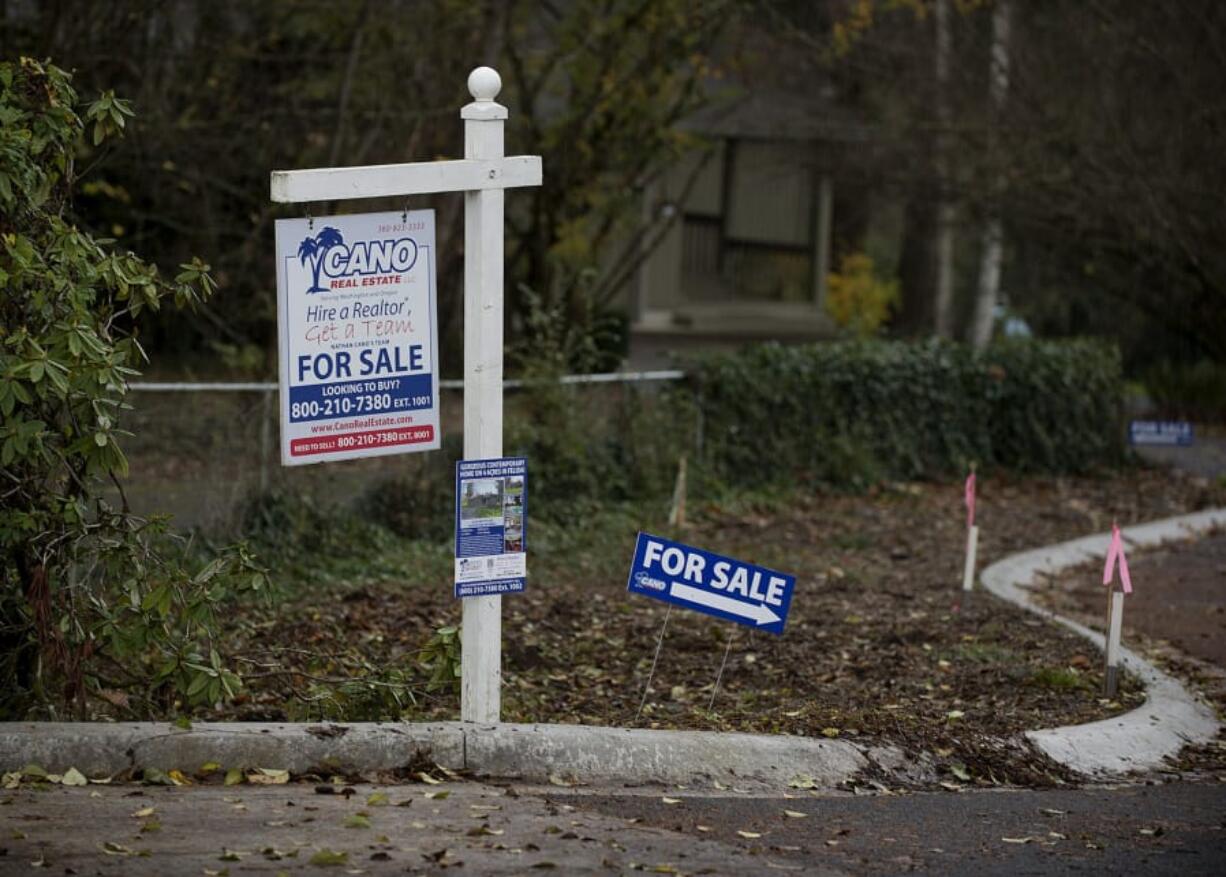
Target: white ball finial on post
x,y
484,83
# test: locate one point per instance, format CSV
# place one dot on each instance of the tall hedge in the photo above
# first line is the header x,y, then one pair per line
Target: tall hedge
x,y
853,412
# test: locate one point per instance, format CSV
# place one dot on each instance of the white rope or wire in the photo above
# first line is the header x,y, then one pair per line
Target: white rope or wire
x,y
513,384
722,665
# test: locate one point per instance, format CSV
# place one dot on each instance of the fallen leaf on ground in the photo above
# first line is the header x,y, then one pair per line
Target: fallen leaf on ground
x,y
263,776
151,776
750,834
73,777
330,857
795,814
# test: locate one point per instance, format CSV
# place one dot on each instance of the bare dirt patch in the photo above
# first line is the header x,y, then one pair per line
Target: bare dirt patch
x,y
878,648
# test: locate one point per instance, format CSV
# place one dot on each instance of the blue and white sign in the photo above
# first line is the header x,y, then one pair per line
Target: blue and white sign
x,y
721,586
491,526
1160,432
357,336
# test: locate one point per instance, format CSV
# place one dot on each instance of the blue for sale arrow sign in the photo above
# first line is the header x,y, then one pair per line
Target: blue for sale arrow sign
x,y
721,586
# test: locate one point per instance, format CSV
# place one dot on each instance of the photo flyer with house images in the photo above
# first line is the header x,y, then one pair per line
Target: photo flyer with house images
x,y
491,525
357,335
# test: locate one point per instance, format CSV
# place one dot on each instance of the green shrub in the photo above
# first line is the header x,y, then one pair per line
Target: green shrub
x,y
94,601
1196,392
415,503
851,413
592,444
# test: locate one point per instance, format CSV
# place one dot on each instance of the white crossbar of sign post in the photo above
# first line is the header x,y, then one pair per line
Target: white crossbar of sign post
x,y
482,175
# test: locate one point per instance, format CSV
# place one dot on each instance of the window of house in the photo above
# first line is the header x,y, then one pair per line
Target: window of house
x,y
747,227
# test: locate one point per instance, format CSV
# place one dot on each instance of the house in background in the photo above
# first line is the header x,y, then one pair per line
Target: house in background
x,y
749,245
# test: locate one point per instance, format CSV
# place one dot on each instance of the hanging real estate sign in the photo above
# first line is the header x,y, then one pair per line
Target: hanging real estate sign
x,y
357,336
491,523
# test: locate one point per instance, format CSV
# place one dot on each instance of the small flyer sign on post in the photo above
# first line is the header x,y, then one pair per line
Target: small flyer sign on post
x,y
357,336
721,586
491,517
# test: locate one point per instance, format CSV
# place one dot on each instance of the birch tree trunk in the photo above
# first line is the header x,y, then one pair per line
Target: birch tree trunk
x,y
992,256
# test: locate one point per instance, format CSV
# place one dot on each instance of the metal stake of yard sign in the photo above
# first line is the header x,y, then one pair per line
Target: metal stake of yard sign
x,y
481,175
722,665
652,672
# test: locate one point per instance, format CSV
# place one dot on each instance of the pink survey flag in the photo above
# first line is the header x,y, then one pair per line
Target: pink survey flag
x,y
970,500
1116,552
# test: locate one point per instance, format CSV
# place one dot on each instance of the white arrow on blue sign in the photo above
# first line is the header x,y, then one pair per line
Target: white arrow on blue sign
x,y
721,586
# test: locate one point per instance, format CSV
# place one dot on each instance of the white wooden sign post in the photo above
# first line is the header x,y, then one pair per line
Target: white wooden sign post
x,y
481,175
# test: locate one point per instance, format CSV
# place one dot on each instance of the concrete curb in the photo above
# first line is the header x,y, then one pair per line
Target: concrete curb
x,y
1171,716
533,753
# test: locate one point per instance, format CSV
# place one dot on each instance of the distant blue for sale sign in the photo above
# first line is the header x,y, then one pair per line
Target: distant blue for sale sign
x,y
721,586
491,525
1160,432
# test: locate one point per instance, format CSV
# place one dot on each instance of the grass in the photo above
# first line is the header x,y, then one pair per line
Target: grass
x,y
1059,678
986,653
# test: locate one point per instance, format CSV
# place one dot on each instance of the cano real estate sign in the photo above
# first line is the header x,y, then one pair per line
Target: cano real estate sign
x,y
357,336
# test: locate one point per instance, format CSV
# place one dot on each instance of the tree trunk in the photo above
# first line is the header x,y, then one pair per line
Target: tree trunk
x,y
915,266
993,233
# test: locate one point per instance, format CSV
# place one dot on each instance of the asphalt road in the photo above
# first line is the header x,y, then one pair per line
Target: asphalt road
x,y
483,829
1160,829
1206,456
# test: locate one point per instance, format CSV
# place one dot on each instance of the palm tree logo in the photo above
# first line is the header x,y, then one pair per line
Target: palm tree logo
x,y
314,249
